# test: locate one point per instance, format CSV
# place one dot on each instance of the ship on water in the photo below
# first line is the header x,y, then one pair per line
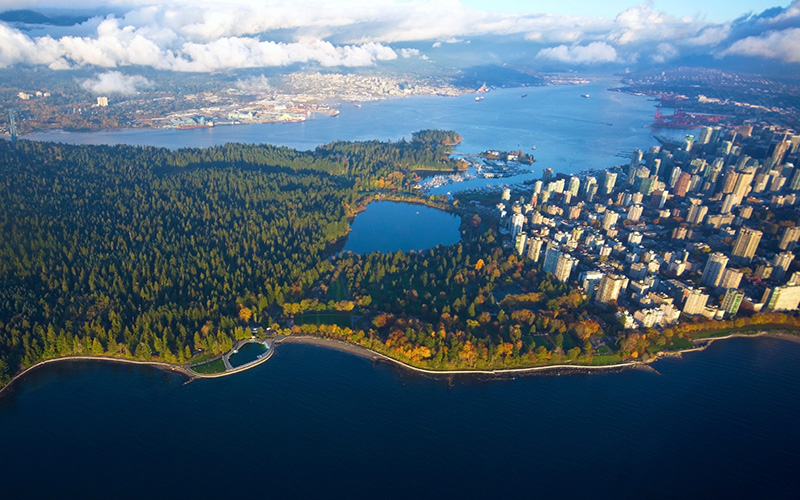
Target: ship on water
x,y
479,98
585,96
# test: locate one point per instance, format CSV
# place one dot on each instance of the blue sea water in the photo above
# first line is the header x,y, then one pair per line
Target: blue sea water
x,y
317,423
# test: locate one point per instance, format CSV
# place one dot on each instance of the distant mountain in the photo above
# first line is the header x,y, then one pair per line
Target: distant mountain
x,y
32,17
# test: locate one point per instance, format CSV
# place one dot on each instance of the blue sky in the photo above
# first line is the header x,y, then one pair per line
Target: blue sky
x,y
710,10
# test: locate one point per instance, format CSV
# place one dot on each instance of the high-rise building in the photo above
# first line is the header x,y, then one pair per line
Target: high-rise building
x,y
551,254
102,101
564,266
535,248
520,242
790,237
609,180
697,212
715,266
634,213
744,182
782,298
609,288
610,219
732,278
547,174
731,200
795,184
746,243
517,221
731,301
574,185
589,280
705,135
695,302
729,181
780,264
636,157
682,184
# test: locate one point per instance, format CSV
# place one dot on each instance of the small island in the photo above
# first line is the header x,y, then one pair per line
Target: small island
x,y
179,258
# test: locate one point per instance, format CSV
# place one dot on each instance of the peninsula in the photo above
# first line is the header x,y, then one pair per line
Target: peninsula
x,y
177,256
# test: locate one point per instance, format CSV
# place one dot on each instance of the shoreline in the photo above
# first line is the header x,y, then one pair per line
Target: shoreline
x,y
363,352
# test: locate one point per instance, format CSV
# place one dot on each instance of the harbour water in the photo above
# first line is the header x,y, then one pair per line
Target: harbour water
x,y
571,133
318,423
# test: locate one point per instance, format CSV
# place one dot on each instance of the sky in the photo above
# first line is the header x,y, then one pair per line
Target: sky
x,y
210,36
718,11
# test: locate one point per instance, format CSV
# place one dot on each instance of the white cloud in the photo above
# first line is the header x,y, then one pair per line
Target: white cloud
x,y
593,53
114,82
208,35
781,45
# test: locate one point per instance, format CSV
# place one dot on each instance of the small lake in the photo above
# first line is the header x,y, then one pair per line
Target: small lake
x,y
387,226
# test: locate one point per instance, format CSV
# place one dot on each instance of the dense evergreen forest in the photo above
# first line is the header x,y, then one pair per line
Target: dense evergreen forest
x,y
153,253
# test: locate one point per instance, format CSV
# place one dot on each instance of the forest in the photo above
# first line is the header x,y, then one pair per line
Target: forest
x,y
155,254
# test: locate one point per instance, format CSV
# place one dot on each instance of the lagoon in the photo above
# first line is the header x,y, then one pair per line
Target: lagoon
x,y
386,226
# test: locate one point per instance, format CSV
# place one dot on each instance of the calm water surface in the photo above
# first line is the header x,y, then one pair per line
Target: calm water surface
x,y
570,133
389,226
316,423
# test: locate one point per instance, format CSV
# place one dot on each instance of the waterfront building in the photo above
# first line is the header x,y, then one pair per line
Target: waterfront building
x,y
746,243
715,266
731,301
609,180
782,298
574,185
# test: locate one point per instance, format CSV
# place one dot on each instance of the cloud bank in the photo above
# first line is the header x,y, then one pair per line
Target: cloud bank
x,y
204,36
114,82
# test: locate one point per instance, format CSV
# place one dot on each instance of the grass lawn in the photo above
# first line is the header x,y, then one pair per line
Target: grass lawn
x,y
341,319
216,366
606,359
338,291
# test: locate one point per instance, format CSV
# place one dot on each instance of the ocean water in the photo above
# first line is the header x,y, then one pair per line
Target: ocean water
x,y
318,423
